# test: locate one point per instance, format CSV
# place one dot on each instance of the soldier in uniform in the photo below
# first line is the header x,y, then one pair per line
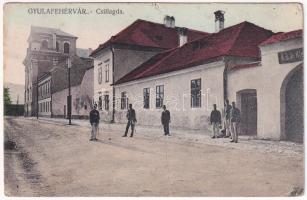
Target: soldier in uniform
x,y
94,120
234,122
227,118
215,121
165,120
131,117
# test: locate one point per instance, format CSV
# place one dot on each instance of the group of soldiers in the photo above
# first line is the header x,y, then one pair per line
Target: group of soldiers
x,y
231,121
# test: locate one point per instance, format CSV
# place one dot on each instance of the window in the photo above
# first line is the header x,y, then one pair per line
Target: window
x,y
57,46
100,75
66,47
159,96
196,93
123,101
106,102
146,94
85,107
44,44
107,72
100,103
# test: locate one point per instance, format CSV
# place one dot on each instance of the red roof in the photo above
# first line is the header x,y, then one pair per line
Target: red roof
x,y
149,34
238,40
278,37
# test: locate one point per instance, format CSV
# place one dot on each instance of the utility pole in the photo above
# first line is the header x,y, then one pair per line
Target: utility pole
x,y
37,97
69,92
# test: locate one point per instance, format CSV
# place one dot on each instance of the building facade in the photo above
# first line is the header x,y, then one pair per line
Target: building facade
x,y
261,71
46,63
270,93
46,46
44,95
129,49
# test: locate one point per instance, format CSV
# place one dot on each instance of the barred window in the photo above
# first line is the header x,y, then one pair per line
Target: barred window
x,y
107,72
100,75
106,102
123,101
196,93
146,94
159,96
100,103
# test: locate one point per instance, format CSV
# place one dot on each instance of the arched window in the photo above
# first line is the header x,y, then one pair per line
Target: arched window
x,y
57,46
44,44
66,47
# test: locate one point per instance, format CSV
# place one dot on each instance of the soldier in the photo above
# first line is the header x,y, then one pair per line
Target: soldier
x,y
215,121
234,122
165,120
227,118
94,120
131,120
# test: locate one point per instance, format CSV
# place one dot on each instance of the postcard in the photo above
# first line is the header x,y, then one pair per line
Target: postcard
x,y
153,99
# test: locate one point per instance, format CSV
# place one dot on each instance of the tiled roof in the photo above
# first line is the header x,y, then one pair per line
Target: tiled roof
x,y
47,30
149,34
238,40
59,73
278,37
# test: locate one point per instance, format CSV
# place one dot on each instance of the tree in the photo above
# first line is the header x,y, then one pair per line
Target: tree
x,y
7,98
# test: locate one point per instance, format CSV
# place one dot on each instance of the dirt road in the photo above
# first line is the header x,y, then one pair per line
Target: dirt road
x,y
47,159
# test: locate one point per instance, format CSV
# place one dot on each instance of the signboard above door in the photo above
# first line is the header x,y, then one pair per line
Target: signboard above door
x,y
290,56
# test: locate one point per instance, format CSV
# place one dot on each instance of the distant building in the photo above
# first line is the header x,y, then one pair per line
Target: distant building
x,y
46,47
46,67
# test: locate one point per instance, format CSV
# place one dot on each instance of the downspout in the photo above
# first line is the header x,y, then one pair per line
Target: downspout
x,y
225,80
113,88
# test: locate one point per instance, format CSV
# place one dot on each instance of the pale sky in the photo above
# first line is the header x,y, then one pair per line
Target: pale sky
x,y
94,29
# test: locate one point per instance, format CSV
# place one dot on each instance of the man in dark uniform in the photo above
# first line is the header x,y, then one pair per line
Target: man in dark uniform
x,y
227,118
215,121
94,120
131,120
234,122
165,120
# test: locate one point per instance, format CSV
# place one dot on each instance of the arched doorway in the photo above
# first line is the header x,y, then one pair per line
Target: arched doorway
x,y
247,103
292,106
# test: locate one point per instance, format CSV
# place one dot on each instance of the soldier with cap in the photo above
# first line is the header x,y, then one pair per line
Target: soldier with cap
x,y
94,120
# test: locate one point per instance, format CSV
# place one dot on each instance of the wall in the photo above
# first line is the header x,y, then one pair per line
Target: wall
x,y
104,87
125,60
267,79
86,94
177,93
59,99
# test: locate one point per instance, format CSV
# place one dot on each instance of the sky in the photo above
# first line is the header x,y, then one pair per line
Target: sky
x,y
93,29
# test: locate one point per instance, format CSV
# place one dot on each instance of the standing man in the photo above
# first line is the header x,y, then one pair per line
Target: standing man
x,y
234,122
131,117
227,118
215,121
165,120
94,120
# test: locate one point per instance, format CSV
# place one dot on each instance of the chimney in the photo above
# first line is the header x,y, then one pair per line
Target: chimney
x,y
183,36
219,20
169,21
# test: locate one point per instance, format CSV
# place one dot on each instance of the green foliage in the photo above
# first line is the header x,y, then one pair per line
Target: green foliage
x,y
7,98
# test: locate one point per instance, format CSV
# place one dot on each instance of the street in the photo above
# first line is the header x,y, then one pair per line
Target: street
x,y
53,159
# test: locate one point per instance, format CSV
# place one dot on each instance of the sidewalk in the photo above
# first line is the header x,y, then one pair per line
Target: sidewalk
x,y
193,137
